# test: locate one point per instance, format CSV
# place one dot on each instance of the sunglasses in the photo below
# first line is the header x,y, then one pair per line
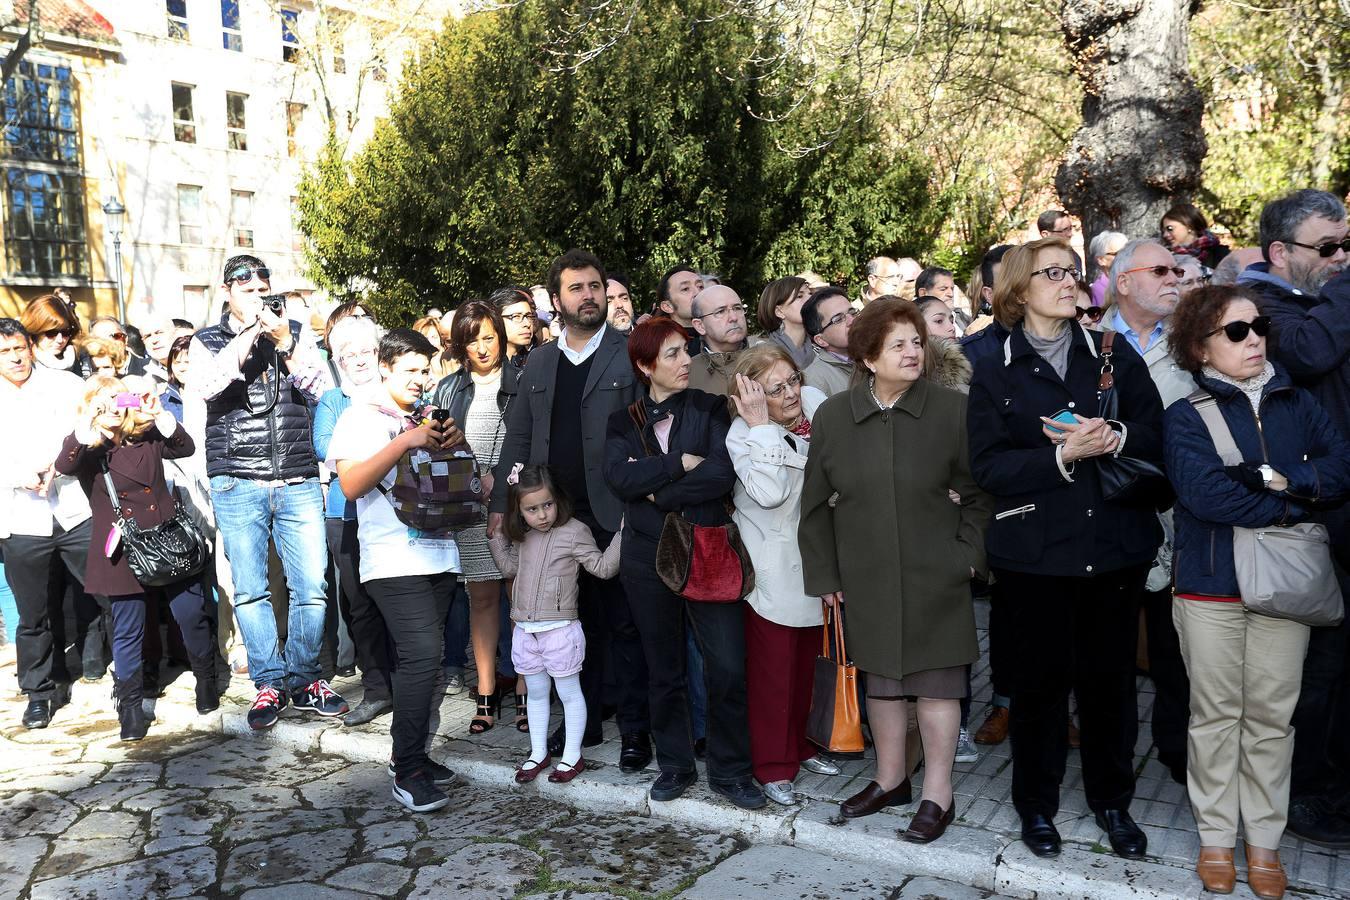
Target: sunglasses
x,y
1237,331
1327,250
1094,313
67,333
1159,271
1055,273
244,276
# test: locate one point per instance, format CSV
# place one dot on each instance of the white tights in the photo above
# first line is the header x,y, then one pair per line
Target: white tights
x,y
574,714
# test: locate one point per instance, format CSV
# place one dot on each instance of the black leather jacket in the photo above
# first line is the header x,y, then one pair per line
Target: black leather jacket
x,y
260,428
455,392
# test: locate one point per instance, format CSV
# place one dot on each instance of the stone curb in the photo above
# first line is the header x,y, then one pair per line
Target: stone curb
x,y
964,855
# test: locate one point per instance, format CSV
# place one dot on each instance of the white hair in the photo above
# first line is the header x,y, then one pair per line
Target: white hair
x,y
353,332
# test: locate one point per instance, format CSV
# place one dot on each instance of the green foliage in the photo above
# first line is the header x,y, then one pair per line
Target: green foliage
x,y
498,155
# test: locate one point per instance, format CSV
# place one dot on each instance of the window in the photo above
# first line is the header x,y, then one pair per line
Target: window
x,y
295,117
178,23
231,35
44,192
235,128
241,217
297,236
189,214
184,127
290,35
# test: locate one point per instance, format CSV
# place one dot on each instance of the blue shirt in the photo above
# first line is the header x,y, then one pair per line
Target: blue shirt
x,y
1119,325
331,406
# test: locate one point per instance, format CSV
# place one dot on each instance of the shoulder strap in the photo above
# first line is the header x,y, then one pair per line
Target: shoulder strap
x,y
1219,432
112,491
1107,379
638,413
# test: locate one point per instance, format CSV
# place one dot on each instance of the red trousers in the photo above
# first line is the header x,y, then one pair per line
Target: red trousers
x,y
779,662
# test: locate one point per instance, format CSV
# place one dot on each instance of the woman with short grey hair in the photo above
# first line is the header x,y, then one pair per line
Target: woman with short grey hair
x,y
1102,250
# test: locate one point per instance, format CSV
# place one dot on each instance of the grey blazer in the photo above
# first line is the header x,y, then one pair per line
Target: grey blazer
x,y
610,386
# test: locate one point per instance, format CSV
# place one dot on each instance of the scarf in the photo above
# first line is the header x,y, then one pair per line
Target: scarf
x,y
1251,387
802,429
1201,245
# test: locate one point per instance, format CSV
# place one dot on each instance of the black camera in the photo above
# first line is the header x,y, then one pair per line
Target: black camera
x,y
440,415
276,303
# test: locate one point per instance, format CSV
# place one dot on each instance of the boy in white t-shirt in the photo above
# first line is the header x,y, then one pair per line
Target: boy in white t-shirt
x,y
410,575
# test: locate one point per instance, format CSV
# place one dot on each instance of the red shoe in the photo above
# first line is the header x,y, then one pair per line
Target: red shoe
x,y
526,775
558,776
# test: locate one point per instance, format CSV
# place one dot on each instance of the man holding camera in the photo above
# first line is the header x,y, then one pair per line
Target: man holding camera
x,y
258,378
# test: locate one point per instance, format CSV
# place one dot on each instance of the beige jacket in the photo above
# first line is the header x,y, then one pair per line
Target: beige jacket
x,y
828,374
712,372
546,566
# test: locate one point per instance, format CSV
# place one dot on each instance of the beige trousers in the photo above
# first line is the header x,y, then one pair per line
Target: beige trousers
x,y
1245,672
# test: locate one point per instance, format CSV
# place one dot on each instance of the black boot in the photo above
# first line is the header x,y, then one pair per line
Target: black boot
x,y
208,689
128,695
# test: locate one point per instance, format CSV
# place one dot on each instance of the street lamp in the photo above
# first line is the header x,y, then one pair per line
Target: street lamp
x,y
113,212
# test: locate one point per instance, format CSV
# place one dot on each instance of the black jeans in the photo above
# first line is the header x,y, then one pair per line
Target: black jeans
x,y
414,609
719,631
374,654
1080,634
1172,689
611,638
41,637
1002,645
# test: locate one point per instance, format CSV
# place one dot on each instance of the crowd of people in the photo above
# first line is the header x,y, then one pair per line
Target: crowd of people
x,y
545,475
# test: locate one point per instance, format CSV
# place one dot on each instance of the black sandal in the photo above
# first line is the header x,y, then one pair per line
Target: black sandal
x,y
486,716
522,714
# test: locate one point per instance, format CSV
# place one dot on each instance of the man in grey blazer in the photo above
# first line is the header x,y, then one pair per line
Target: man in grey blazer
x,y
564,399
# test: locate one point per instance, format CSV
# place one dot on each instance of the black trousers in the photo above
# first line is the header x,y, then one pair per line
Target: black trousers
x,y
1076,634
611,639
374,651
414,606
42,636
1172,689
1002,645
719,631
1321,734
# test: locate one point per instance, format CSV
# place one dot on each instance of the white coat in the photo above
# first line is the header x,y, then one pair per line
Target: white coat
x,y
770,464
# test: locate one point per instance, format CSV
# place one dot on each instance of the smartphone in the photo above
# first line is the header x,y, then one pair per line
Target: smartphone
x,y
128,401
440,415
1065,416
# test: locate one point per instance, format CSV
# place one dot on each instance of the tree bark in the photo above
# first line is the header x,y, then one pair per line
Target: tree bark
x,y
1142,140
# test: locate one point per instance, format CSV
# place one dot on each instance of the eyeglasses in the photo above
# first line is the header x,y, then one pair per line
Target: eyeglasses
x,y
1094,313
67,333
519,318
1237,331
119,336
1158,271
722,313
244,276
847,315
354,355
1056,273
1327,250
1202,278
794,380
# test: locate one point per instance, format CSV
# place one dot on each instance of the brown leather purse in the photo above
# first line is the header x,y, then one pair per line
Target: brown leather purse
x,y
835,722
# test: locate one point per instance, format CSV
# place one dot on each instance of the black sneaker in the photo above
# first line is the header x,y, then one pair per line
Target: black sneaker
x,y
440,775
419,793
267,706
320,698
1316,819
669,785
742,792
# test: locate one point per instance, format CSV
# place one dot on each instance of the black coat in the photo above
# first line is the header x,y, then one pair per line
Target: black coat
x,y
455,391
1044,523
700,428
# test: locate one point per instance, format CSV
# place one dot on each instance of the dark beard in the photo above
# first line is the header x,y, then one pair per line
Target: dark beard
x,y
1311,280
586,321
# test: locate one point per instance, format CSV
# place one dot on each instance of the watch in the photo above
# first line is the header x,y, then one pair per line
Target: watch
x,y
1267,475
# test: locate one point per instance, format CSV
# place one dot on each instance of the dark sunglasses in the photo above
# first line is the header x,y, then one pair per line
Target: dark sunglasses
x,y
244,276
1237,331
1326,250
1159,271
1094,313
67,333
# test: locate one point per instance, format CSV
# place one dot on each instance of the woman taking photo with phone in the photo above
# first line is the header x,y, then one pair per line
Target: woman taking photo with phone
x,y
125,434
1071,562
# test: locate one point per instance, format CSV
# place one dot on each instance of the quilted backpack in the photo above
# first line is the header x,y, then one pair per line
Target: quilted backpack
x,y
437,491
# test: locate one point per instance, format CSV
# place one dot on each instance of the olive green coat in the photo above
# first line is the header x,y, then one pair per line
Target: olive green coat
x,y
893,541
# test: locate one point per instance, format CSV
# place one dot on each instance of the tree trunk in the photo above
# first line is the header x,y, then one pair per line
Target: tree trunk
x,y
1142,140
1327,130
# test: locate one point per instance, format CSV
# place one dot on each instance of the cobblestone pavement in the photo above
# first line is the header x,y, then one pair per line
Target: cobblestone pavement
x,y
187,814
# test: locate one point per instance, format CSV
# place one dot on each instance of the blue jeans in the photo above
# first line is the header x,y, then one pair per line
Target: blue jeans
x,y
455,654
248,513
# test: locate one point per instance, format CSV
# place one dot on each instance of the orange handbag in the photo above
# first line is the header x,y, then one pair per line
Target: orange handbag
x,y
834,723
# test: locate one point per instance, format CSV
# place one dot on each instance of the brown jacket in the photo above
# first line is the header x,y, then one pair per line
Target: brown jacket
x,y
546,566
138,475
895,543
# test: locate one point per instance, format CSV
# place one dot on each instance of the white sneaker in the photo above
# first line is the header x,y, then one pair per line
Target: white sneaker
x,y
965,748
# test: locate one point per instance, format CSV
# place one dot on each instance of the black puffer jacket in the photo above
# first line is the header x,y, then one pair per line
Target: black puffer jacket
x,y
259,428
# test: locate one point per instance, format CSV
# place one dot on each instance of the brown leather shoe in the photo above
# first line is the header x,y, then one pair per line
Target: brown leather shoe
x,y
1215,868
995,727
929,822
1266,878
872,798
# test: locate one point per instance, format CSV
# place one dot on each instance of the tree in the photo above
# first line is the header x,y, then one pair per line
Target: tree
x,y
499,154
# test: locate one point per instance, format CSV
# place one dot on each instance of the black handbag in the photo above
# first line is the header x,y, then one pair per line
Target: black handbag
x,y
1124,479
169,552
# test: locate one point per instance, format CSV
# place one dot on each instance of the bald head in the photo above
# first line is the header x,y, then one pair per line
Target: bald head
x,y
719,316
713,297
157,332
